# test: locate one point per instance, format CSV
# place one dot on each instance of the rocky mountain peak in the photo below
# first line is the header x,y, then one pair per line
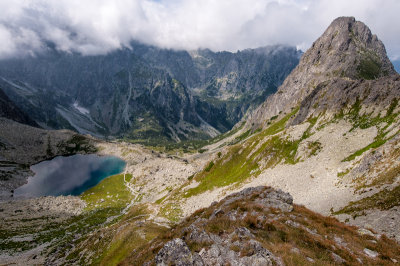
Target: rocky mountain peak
x,y
347,50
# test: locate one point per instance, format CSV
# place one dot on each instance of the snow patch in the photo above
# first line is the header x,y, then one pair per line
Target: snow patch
x,y
81,109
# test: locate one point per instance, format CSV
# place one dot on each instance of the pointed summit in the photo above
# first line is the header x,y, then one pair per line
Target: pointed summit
x,y
347,50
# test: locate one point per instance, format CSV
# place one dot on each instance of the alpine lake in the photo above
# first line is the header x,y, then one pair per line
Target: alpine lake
x,y
70,175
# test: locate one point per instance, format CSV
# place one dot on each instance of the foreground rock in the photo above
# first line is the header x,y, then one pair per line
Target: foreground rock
x,y
261,226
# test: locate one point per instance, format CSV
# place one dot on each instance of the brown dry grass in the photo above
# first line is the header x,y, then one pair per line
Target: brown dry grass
x,y
280,238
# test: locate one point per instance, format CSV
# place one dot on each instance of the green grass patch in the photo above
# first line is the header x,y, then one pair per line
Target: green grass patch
x,y
383,200
160,200
128,177
341,174
373,145
171,211
280,125
241,137
111,192
209,166
202,150
369,68
314,147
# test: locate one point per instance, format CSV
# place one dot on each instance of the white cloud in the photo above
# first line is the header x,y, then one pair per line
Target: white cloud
x,y
99,26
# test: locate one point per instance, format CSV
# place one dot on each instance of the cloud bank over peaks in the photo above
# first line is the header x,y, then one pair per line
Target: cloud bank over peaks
x,y
99,26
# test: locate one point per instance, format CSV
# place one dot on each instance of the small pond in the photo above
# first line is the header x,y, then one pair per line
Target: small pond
x,y
70,175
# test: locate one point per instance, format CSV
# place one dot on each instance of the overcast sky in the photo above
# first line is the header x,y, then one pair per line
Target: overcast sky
x,y
99,26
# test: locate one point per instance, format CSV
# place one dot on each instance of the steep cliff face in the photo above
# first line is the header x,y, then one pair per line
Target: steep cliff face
x,y
347,51
145,92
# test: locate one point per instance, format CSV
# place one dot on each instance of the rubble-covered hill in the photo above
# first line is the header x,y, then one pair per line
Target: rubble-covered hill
x,y
261,226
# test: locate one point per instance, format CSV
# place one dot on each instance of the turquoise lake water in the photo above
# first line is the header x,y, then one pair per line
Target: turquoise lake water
x,y
70,175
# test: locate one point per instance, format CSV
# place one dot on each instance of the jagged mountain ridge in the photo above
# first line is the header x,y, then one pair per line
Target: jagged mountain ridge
x,y
145,92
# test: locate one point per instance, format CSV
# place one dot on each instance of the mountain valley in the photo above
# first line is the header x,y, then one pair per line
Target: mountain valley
x,y
308,175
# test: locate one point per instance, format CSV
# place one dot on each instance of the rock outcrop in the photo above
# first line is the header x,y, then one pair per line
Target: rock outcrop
x,y
260,226
176,252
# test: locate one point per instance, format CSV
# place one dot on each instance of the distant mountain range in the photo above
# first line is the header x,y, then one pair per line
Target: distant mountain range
x,y
145,93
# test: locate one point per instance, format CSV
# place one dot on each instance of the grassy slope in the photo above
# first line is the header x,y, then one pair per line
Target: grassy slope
x,y
366,120
387,198
383,200
112,241
109,193
242,160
